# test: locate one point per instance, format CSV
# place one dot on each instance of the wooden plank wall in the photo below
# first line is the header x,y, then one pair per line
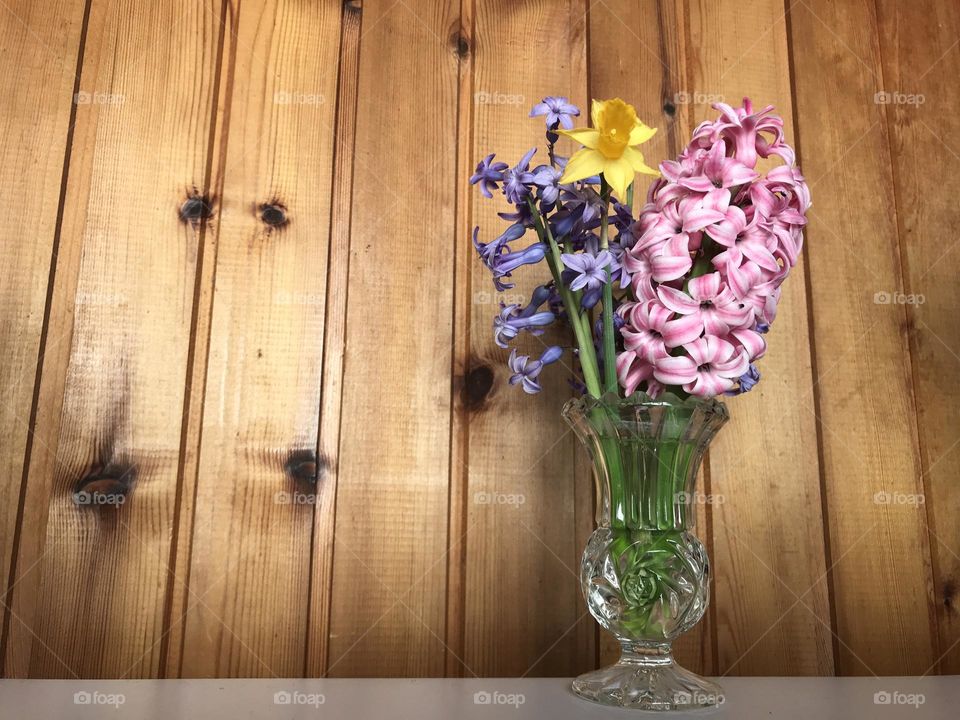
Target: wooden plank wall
x,y
240,300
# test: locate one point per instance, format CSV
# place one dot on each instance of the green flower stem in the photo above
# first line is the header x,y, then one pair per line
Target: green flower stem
x,y
578,321
609,342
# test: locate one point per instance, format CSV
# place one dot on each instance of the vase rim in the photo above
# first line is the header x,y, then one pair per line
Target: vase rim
x,y
585,403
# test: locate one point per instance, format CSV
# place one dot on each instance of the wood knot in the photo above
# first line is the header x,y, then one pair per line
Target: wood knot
x,y
107,485
304,467
949,592
273,214
352,5
459,43
669,108
195,209
476,386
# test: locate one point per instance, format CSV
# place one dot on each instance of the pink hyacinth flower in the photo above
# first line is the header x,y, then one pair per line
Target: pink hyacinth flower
x,y
650,333
743,127
633,370
710,367
718,171
710,303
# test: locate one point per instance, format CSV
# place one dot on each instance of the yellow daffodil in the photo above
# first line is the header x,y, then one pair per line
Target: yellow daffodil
x,y
608,146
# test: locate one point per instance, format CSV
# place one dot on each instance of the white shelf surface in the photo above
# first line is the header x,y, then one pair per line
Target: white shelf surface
x,y
865,698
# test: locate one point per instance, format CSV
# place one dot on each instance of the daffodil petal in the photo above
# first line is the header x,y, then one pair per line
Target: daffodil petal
x,y
641,133
588,137
618,174
584,163
635,158
596,107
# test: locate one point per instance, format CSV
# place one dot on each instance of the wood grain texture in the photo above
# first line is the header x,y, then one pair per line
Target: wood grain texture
x,y
388,603
521,524
921,63
863,391
34,135
91,579
238,273
771,596
249,591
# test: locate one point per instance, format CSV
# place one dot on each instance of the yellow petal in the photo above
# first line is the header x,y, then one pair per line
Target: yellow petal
x,y
618,175
596,107
584,163
635,158
588,137
641,133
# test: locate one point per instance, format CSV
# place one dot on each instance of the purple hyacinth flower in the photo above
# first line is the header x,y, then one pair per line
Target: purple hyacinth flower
x,y
517,180
750,378
591,270
547,179
511,320
489,252
558,111
526,371
504,265
488,174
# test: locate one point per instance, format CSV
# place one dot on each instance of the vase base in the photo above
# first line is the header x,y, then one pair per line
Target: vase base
x,y
665,686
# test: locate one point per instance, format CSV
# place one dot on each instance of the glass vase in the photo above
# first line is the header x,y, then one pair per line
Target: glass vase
x,y
644,574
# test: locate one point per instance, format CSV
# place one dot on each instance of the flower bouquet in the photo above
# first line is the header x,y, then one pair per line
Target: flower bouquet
x,y
668,309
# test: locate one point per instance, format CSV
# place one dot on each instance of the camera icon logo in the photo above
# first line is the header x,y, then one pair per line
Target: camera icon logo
x,y
82,698
282,698
482,697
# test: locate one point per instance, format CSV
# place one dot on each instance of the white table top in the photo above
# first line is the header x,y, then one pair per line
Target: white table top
x,y
473,699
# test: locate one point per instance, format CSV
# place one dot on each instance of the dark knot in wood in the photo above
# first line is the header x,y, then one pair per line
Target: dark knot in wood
x,y
476,386
195,209
274,214
108,485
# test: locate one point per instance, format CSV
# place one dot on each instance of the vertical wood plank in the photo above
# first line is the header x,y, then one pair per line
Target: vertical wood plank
x,y
921,63
523,610
879,552
91,578
772,603
42,43
651,76
389,579
259,474
334,349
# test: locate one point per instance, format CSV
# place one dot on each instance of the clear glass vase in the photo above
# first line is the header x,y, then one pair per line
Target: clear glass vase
x,y
645,575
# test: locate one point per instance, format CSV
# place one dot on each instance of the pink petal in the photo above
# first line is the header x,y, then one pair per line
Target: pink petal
x,y
675,370
677,300
683,330
705,287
